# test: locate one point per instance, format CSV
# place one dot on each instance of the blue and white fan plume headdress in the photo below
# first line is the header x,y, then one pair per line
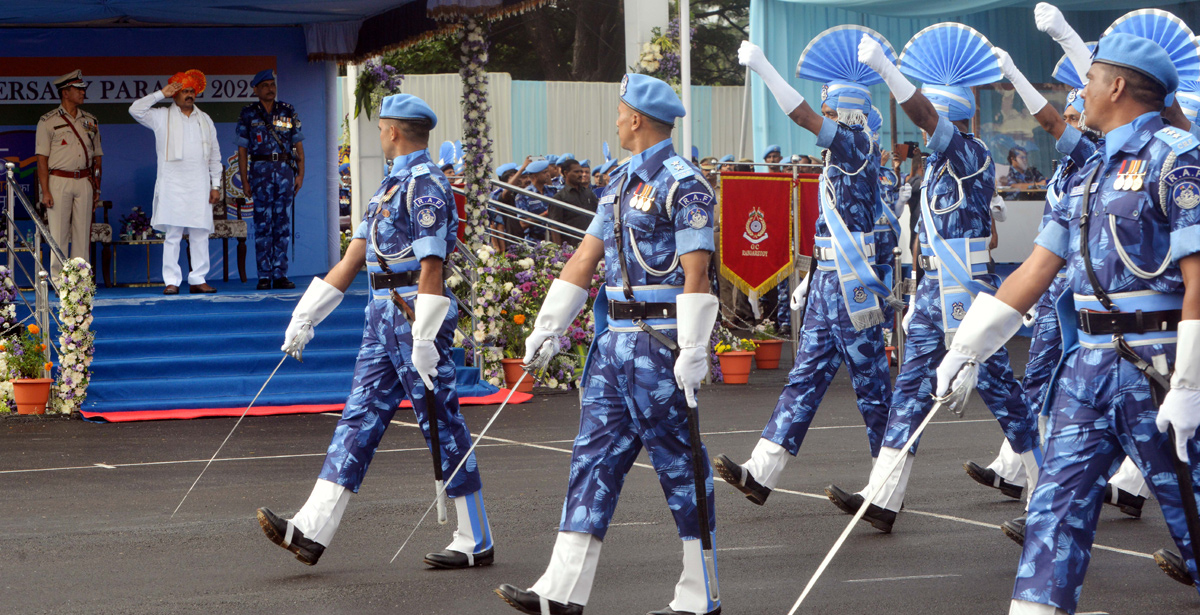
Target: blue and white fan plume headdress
x,y
1188,96
1064,72
1164,28
832,58
949,58
446,154
875,122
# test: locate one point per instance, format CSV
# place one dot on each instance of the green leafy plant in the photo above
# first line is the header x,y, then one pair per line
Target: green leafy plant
x,y
24,349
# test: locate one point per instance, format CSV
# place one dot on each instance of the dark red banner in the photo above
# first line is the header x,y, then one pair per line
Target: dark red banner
x,y
754,240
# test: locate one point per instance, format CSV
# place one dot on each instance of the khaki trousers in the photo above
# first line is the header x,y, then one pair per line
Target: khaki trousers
x,y
70,219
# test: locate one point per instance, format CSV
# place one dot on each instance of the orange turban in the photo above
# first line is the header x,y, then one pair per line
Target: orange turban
x,y
191,79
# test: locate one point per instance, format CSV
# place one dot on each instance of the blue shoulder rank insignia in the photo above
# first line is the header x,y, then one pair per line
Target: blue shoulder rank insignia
x,y
1182,187
419,170
679,168
1177,139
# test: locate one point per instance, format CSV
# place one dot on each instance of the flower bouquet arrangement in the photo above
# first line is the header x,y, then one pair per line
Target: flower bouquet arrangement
x,y
136,225
376,80
76,340
23,349
737,345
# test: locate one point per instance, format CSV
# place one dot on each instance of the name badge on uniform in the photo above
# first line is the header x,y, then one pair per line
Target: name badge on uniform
x,y
608,199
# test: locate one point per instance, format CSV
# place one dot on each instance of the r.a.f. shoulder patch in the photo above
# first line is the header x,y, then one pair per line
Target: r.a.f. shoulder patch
x,y
1181,186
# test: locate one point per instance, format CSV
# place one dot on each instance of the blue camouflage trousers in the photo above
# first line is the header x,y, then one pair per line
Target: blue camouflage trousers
x,y
630,399
383,377
783,309
273,186
827,338
924,348
1101,411
1045,348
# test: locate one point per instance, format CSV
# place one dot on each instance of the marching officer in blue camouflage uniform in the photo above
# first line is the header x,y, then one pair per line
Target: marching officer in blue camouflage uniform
x,y
844,295
887,222
409,230
654,232
271,162
954,234
1128,231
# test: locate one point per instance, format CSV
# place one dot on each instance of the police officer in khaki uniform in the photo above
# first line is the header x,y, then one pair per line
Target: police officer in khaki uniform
x,y
68,166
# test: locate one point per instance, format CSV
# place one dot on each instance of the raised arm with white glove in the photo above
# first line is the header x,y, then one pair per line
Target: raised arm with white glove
x,y
695,315
987,326
1051,21
429,313
563,302
1181,407
870,52
318,301
752,57
1034,101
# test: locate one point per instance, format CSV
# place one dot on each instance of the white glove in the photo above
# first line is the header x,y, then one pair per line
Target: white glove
x,y
870,52
752,57
559,309
1033,100
1051,21
318,301
429,313
999,208
800,295
695,315
908,318
902,197
988,324
1181,407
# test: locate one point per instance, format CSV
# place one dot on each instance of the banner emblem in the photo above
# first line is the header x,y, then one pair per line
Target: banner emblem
x,y
756,227
860,295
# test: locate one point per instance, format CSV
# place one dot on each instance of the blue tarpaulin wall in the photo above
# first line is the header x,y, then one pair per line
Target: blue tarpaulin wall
x,y
784,28
119,61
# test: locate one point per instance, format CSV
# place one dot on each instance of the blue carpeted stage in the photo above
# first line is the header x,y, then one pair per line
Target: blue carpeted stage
x,y
191,356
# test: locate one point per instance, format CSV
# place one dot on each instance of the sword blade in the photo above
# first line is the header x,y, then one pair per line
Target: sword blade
x,y
460,465
235,426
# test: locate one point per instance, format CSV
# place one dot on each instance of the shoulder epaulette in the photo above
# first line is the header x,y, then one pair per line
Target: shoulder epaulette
x,y
679,168
48,116
1177,139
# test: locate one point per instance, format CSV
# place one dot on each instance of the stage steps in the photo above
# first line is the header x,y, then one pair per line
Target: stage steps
x,y
215,351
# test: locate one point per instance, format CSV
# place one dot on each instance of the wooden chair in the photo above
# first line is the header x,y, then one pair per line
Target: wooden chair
x,y
102,234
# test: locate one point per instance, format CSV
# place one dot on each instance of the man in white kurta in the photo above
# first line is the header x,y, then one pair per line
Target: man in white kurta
x,y
188,180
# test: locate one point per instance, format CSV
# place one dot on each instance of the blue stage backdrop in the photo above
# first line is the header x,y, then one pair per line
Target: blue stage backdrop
x,y
124,64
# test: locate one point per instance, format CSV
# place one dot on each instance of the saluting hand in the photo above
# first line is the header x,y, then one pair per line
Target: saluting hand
x,y
171,89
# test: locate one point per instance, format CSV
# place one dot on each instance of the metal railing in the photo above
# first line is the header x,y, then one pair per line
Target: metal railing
x,y
39,278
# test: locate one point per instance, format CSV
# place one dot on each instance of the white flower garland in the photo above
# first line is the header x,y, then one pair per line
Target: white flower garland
x,y
76,341
477,141
8,318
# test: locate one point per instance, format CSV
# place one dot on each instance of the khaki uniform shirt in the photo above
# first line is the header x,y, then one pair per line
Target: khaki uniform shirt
x,y
56,141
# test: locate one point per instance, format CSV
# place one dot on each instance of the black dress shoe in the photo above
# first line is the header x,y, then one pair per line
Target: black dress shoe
x,y
171,289
284,534
671,611
531,603
283,283
1128,503
264,284
1015,529
1171,563
453,560
988,478
879,518
201,289
737,476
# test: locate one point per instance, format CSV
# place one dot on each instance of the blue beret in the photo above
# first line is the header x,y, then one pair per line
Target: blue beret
x,y
772,149
728,158
695,152
565,157
1074,100
551,159
537,166
505,168
586,163
266,75
652,97
406,107
1138,54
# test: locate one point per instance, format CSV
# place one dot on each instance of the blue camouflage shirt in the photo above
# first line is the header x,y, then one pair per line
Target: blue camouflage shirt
x,y
1150,230
853,176
534,206
254,127
654,239
965,212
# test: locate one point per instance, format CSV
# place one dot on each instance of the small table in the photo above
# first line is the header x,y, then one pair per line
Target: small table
x,y
136,242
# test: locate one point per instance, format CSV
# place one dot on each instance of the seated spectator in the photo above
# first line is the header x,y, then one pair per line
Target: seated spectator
x,y
1020,174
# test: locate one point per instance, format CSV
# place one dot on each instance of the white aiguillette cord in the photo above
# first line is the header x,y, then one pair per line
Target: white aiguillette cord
x,y
239,421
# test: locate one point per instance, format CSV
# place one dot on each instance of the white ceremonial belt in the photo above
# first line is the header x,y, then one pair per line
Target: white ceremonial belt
x,y
830,254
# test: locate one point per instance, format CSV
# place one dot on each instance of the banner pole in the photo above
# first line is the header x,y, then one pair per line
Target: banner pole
x,y
795,277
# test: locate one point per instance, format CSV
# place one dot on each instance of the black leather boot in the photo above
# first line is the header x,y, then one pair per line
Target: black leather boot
x,y
879,518
284,534
988,478
531,603
737,476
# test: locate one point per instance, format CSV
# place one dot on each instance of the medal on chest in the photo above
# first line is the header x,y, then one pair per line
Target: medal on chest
x,y
643,198
1139,174
1119,183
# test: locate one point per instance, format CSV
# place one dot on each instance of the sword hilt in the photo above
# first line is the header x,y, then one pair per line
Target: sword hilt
x,y
296,348
956,397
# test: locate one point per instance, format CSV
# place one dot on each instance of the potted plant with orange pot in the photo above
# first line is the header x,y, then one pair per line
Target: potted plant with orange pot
x,y
768,345
735,358
26,360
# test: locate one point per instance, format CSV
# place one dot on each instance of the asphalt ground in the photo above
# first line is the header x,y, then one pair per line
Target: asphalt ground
x,y
87,525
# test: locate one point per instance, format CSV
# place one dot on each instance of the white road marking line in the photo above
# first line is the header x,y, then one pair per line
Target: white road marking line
x,y
742,431
185,461
749,548
912,578
633,523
